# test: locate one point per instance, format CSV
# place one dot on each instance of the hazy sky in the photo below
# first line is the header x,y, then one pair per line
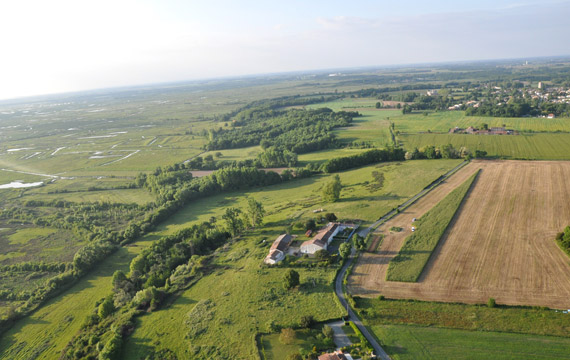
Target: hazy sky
x,y
66,45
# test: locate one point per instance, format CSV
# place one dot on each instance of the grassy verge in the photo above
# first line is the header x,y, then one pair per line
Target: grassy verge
x,y
416,251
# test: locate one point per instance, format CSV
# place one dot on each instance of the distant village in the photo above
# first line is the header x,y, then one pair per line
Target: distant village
x,y
513,93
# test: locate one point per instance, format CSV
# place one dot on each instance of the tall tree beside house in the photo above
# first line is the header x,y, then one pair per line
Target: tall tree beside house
x,y
255,212
331,191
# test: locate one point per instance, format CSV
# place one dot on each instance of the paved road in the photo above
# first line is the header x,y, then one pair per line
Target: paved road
x,y
352,315
340,338
413,199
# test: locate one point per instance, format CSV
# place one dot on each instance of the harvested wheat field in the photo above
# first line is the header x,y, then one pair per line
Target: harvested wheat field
x,y
500,244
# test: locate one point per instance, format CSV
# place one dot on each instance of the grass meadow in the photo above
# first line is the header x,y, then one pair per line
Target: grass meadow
x,y
296,200
514,147
506,319
247,296
404,342
61,317
45,333
20,243
442,121
417,248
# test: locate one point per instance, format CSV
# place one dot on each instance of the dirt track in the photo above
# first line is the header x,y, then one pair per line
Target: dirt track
x,y
500,245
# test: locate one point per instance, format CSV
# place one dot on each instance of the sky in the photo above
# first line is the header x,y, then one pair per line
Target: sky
x,y
70,45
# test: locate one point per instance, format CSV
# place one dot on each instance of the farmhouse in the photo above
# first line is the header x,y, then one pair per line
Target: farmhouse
x,y
337,355
324,237
278,249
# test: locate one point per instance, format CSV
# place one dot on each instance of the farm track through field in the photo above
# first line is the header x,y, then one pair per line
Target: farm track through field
x,y
499,245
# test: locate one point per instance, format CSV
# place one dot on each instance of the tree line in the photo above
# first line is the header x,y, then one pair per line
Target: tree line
x,y
362,159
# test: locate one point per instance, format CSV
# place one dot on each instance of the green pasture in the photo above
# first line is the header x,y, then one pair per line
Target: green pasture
x,y
234,154
297,199
504,319
403,342
247,297
47,331
417,248
123,196
442,121
24,235
524,147
321,156
23,243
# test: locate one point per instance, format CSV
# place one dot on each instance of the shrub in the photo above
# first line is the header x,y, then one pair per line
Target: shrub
x,y
106,308
328,332
491,303
291,279
287,336
307,321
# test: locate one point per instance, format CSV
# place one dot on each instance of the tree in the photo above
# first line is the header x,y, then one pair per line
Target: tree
x,y
328,332
480,153
344,250
430,152
234,224
255,212
378,105
331,191
106,308
287,336
310,224
330,217
307,321
322,255
291,279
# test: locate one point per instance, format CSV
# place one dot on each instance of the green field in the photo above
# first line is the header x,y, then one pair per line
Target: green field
x,y
443,121
284,203
24,243
246,297
47,331
523,147
124,196
505,319
320,157
403,342
297,199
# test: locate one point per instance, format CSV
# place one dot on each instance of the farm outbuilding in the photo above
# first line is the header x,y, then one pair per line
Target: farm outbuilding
x,y
278,249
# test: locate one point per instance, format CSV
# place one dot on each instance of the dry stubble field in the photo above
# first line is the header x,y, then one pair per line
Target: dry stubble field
x,y
499,245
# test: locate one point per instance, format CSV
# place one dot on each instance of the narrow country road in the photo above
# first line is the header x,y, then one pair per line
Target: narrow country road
x,y
380,353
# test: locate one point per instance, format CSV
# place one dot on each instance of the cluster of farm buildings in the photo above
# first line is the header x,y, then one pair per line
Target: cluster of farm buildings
x,y
320,241
491,131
